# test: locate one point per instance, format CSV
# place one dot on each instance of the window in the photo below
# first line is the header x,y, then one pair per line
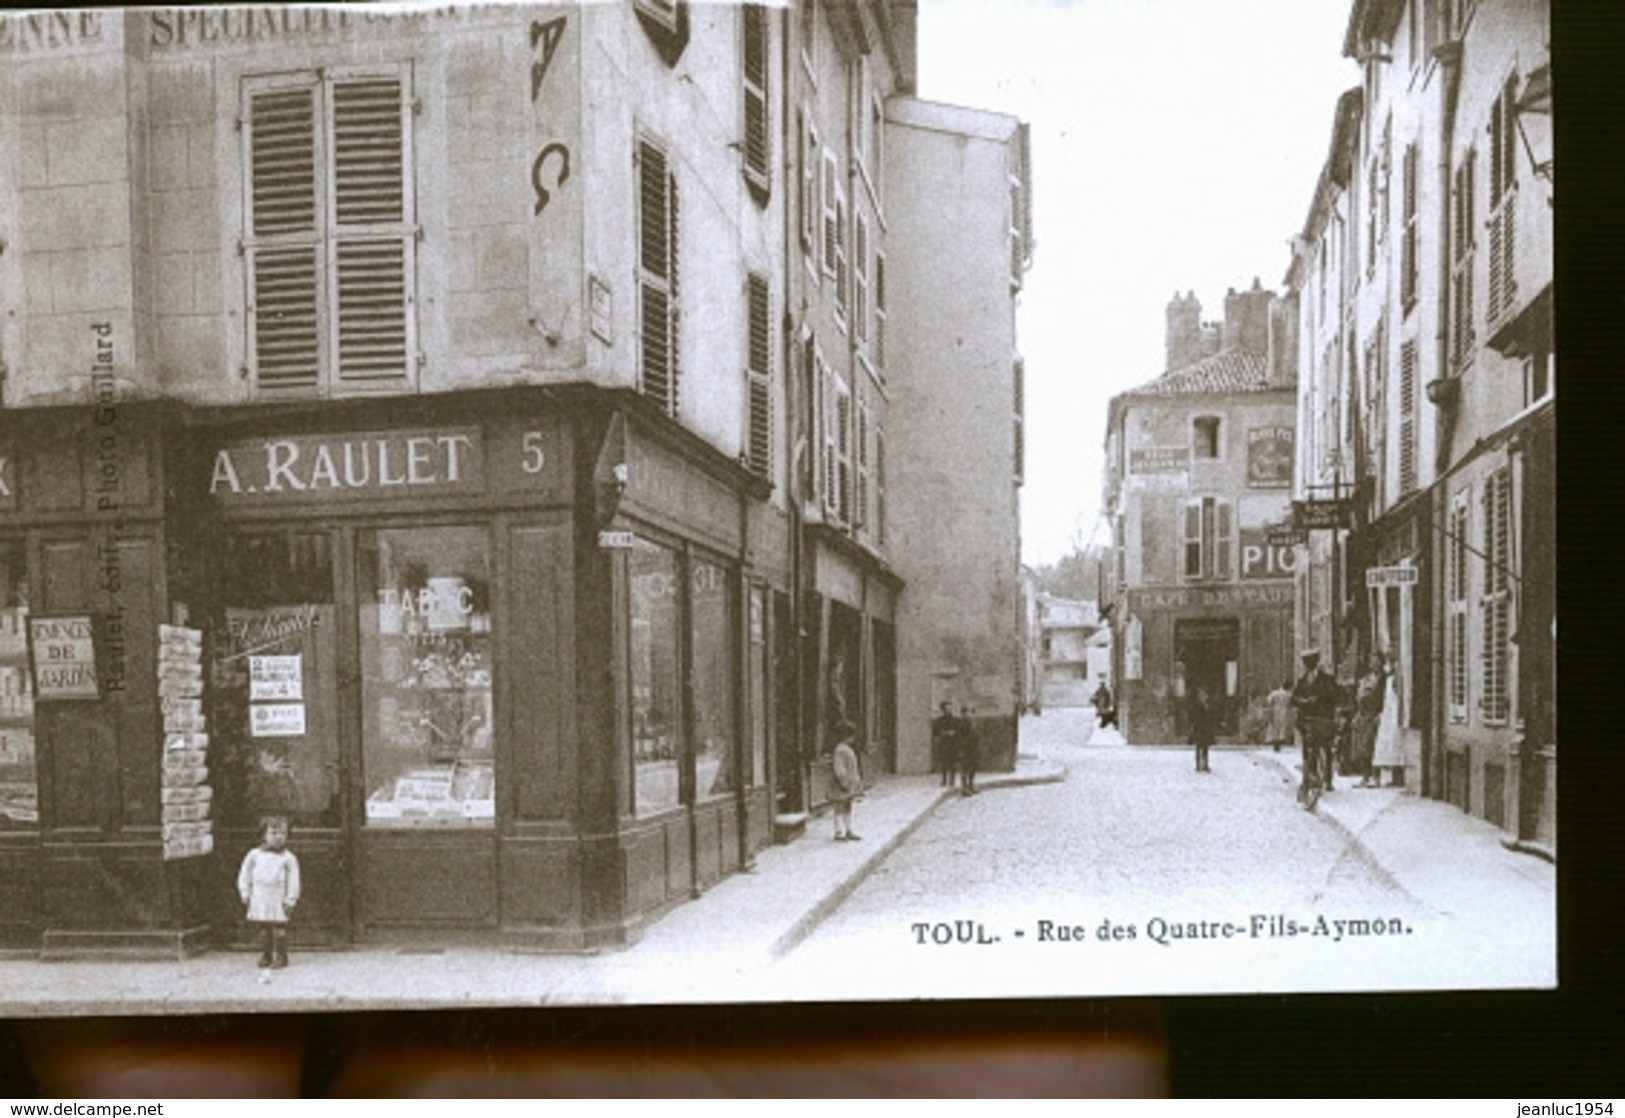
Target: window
x,y
1495,602
658,367
809,38
1205,436
1456,608
662,12
860,281
880,486
831,214
758,375
843,279
757,126
1407,418
329,231
1377,172
1409,253
665,22
19,777
1424,31
1503,196
863,459
1019,376
877,348
1537,378
427,756
843,454
1463,236
655,688
711,631
1208,538
811,153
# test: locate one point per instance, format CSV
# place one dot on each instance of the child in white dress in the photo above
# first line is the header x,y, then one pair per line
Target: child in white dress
x,y
269,885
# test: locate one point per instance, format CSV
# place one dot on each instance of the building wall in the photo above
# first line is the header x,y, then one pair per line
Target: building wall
x,y
955,529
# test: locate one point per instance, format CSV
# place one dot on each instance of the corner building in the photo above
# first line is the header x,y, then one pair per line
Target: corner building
x,y
420,362
428,426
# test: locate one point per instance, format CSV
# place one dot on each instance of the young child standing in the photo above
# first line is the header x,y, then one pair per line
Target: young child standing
x,y
269,885
848,781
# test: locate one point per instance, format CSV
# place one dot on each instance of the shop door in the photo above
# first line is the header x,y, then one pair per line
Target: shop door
x,y
426,844
276,716
1210,650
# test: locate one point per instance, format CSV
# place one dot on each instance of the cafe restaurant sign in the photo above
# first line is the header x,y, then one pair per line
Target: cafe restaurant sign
x,y
297,468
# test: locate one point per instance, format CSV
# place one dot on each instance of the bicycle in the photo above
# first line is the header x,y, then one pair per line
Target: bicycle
x,y
1317,763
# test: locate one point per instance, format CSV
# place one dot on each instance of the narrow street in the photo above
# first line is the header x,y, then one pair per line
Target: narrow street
x,y
1136,874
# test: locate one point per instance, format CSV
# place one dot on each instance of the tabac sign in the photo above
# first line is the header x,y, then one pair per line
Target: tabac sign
x,y
297,468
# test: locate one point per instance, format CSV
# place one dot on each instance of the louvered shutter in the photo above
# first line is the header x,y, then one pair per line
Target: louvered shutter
x,y
862,511
1409,246
878,349
372,245
657,266
1193,539
1223,538
860,280
284,241
759,445
757,131
1407,418
843,456
1496,601
1463,234
830,192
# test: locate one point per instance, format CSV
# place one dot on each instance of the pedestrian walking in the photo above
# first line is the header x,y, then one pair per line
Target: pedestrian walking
x,y
1314,699
268,884
1279,704
1368,703
968,753
848,781
1387,748
945,744
1204,717
1105,706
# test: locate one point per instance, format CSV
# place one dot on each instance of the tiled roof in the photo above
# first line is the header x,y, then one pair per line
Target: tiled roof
x,y
1232,370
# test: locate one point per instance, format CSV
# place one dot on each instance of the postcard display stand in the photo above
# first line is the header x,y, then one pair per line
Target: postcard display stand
x,y
188,831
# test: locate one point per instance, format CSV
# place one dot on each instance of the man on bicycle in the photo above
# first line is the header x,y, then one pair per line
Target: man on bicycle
x,y
1314,697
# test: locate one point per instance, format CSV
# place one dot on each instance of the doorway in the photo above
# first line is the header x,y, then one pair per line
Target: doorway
x,y
1209,648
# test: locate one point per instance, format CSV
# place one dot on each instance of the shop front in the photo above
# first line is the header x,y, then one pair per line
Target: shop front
x,y
503,664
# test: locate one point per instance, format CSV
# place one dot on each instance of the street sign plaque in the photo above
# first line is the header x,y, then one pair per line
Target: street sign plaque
x,y
1317,516
1390,576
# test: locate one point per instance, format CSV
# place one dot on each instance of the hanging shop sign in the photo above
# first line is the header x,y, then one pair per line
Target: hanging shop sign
x,y
1269,457
1285,535
1319,516
64,658
1390,576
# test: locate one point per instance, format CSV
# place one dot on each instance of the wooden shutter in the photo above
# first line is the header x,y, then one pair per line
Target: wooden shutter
x,y
1223,538
757,132
759,438
1193,539
830,192
1497,598
811,160
877,351
1409,246
1407,417
1456,586
862,511
1463,235
284,238
657,268
860,280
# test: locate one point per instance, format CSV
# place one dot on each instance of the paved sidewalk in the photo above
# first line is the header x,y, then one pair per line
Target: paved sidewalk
x,y
1404,835
709,949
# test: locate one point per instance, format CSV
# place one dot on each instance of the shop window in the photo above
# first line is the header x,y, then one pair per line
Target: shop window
x,y
711,632
657,277
425,621
19,778
329,234
656,714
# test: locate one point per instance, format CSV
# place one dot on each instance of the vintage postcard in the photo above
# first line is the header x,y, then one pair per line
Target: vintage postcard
x,y
646,501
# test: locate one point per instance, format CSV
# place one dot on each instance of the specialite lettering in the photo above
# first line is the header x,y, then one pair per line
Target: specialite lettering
x,y
369,462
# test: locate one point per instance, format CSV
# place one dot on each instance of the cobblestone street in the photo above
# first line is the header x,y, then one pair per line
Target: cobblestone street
x,y
1137,874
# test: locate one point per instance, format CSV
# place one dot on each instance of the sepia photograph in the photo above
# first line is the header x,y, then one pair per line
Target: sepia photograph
x,y
648,502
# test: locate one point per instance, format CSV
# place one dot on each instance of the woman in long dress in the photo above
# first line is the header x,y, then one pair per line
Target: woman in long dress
x,y
1387,751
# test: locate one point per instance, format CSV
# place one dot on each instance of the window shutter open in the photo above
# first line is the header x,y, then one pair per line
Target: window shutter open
x,y
282,249
657,266
757,125
759,444
1407,417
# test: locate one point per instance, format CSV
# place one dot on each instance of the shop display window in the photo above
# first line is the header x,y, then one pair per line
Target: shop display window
x,y
19,781
427,751
713,673
656,730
